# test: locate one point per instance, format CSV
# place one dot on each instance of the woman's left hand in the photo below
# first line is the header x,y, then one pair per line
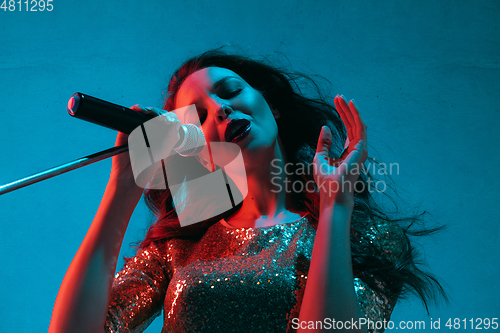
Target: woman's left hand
x,y
336,178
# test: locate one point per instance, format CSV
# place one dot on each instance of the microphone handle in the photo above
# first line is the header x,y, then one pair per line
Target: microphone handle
x,y
63,168
97,111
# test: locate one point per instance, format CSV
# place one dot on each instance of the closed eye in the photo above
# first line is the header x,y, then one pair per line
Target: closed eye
x,y
229,93
228,88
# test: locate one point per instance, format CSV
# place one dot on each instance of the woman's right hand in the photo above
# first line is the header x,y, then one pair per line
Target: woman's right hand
x,y
121,170
82,302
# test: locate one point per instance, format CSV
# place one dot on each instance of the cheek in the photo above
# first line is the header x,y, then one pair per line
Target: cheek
x,y
253,103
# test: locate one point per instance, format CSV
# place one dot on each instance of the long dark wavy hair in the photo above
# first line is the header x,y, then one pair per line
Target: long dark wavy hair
x,y
299,126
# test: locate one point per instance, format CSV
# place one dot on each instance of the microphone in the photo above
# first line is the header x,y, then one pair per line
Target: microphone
x,y
125,120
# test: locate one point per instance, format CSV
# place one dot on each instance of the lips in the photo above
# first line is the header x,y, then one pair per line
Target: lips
x,y
235,128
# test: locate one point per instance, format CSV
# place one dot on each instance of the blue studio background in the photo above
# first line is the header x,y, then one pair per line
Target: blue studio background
x,y
425,75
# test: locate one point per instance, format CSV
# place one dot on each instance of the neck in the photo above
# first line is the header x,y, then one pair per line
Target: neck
x,y
266,201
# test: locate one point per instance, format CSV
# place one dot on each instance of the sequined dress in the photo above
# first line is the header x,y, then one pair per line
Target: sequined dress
x,y
229,280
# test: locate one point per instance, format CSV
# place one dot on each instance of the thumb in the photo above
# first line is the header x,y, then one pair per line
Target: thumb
x,y
324,142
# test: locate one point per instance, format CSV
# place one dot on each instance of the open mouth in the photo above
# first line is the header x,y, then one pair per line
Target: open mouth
x,y
237,130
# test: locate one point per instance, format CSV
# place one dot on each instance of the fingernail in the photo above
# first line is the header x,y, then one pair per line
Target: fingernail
x,y
149,108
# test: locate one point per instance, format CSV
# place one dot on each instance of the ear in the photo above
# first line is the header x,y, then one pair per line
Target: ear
x,y
275,112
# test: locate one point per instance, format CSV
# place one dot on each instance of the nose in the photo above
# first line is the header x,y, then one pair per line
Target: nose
x,y
223,112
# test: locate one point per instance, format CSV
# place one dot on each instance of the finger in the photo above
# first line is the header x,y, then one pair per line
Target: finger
x,y
172,114
324,142
349,116
343,116
121,139
171,118
159,111
360,128
347,141
346,150
142,109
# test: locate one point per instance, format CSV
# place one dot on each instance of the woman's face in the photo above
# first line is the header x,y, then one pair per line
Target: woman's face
x,y
229,109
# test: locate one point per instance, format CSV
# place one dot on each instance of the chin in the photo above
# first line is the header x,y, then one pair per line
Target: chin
x,y
257,149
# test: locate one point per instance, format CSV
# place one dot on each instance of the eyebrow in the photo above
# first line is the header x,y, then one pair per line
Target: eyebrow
x,y
215,86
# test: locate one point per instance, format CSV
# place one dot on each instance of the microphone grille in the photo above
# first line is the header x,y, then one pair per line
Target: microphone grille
x,y
193,143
